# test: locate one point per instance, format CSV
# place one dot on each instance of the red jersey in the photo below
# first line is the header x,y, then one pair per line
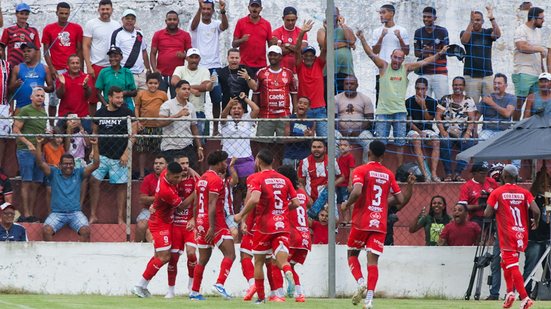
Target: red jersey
x,y
167,45
300,237
272,211
4,79
275,89
470,192
14,36
511,204
288,38
370,211
74,100
466,234
185,189
253,51
166,200
210,182
320,233
346,162
149,185
310,82
62,42
315,173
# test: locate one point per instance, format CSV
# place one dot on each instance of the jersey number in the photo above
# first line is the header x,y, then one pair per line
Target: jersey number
x,y
377,198
301,216
277,199
201,203
516,216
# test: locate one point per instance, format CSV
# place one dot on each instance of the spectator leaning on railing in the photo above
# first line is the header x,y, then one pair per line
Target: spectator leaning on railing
x,y
65,182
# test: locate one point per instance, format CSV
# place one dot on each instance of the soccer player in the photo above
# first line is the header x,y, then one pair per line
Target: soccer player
x,y
372,183
210,224
183,236
160,224
300,233
269,195
510,204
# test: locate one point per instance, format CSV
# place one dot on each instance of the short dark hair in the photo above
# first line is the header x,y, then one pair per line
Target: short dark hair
x,y
422,80
172,12
377,148
233,50
181,82
289,172
66,156
114,89
534,12
265,156
502,76
154,75
389,7
216,157
460,78
73,56
160,156
211,2
105,2
319,140
179,156
479,13
305,97
430,9
63,5
174,168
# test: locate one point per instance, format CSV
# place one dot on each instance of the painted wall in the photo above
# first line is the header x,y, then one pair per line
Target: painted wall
x,y
113,268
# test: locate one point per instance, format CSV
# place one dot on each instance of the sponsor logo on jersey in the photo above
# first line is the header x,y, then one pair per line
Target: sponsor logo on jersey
x,y
278,218
379,175
518,229
375,215
374,223
280,225
375,208
512,196
378,242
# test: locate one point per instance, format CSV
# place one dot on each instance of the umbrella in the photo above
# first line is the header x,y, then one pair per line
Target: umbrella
x,y
528,139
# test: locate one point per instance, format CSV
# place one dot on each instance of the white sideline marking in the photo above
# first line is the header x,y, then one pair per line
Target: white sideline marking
x,y
15,305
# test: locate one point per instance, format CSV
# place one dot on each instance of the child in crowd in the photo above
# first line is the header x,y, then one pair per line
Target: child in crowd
x,y
346,163
148,103
320,228
53,150
298,149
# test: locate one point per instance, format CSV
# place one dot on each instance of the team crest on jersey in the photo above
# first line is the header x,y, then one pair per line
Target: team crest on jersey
x,y
22,37
375,215
519,235
285,80
305,243
520,243
278,218
374,223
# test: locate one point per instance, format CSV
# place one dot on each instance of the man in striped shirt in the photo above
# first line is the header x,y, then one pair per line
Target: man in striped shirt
x,y
21,32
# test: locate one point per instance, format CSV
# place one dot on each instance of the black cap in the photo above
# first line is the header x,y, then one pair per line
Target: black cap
x,y
259,2
114,49
28,44
481,166
289,11
457,51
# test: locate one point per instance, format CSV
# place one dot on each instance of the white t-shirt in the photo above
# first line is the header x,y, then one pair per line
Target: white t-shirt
x,y
390,41
125,41
239,148
194,78
527,63
206,38
180,128
100,32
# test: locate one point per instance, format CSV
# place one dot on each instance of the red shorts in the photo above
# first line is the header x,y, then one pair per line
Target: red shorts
x,y
219,236
182,237
509,259
300,239
93,99
297,256
162,235
247,244
270,243
372,241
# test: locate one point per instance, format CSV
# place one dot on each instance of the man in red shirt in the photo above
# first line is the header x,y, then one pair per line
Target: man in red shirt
x,y
160,224
251,35
511,203
471,191
20,33
287,36
460,231
270,193
309,69
183,236
168,50
147,197
210,225
61,40
372,185
73,87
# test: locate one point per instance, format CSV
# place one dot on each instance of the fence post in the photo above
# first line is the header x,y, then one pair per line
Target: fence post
x,y
129,184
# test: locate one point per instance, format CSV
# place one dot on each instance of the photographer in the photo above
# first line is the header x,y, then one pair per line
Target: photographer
x,y
475,191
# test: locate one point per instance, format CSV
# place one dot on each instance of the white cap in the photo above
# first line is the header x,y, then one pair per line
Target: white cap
x,y
275,49
193,51
6,205
129,12
510,169
545,75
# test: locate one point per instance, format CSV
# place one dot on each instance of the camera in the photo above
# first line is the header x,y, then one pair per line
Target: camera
x,y
483,199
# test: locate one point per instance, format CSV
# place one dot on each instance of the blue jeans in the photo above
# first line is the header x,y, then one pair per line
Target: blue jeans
x,y
216,92
446,147
533,253
166,86
495,269
202,126
382,128
321,125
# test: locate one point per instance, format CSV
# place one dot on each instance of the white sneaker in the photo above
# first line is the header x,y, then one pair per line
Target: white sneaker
x,y
368,304
169,295
359,294
140,292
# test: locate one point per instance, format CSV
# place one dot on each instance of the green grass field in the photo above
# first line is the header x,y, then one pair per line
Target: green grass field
x,y
30,301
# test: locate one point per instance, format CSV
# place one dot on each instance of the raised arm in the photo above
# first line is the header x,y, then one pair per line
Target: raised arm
x,y
95,158
416,65
496,31
307,26
39,158
380,63
197,18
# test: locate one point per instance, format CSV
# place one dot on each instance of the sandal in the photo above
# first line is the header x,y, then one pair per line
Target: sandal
x,y
458,178
436,179
448,178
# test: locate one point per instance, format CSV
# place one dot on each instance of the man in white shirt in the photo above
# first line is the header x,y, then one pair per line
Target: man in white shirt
x,y
205,35
199,79
387,38
95,44
134,49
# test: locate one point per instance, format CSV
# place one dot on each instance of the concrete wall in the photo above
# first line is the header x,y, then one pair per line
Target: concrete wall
x,y
359,14
113,268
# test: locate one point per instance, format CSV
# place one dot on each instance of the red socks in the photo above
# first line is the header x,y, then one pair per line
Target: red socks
x,y
287,267
248,268
197,277
277,277
152,268
172,269
372,277
259,283
518,282
225,268
295,276
191,262
269,274
508,278
355,268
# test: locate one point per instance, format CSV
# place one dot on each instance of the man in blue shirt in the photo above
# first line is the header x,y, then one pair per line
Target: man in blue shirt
x,y
65,182
10,231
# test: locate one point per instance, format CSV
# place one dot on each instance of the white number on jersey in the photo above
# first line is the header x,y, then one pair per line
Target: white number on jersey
x,y
201,203
516,216
278,200
377,198
301,216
